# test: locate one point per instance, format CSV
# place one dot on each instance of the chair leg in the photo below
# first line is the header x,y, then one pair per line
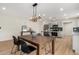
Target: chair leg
x,y
15,51
12,49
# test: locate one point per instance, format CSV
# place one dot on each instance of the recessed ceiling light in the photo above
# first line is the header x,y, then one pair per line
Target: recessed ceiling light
x,y
61,9
3,8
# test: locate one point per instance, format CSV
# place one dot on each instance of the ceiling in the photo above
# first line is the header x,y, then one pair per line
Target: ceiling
x,y
46,9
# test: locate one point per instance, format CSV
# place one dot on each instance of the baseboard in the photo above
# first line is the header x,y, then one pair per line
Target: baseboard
x,y
5,40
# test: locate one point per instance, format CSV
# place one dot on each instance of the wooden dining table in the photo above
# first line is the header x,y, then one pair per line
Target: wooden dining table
x,y
38,41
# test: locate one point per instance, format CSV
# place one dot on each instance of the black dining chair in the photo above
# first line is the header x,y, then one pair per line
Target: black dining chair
x,y
25,48
16,43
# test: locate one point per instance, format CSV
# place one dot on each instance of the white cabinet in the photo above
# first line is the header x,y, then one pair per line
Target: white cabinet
x,y
75,40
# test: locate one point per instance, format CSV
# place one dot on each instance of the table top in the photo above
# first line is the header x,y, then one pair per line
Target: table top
x,y
38,39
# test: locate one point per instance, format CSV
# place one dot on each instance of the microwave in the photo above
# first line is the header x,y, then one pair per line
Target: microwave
x,y
76,29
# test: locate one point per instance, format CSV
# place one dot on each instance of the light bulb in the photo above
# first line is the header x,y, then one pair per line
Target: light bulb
x,y
3,8
61,9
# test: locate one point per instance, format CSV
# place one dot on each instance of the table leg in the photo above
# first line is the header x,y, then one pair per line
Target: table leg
x,y
38,50
53,46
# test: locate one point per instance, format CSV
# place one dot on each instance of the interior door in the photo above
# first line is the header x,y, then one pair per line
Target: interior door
x,y
67,29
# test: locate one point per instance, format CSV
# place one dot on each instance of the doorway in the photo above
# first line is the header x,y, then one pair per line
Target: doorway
x,y
67,29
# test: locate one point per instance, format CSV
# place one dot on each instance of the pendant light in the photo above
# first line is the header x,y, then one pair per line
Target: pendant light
x,y
34,18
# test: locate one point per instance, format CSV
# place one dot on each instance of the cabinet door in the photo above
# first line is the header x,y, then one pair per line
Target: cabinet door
x,y
76,42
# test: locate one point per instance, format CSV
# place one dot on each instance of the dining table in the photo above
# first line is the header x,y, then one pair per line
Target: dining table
x,y
39,41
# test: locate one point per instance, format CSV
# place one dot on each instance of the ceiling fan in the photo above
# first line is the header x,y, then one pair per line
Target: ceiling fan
x,y
34,18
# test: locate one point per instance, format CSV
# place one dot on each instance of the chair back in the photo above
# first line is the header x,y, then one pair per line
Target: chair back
x,y
15,40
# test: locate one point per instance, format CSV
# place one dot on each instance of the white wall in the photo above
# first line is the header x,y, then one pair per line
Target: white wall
x,y
12,26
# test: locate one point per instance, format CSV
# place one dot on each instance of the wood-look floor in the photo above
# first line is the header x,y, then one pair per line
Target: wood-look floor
x,y
63,46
